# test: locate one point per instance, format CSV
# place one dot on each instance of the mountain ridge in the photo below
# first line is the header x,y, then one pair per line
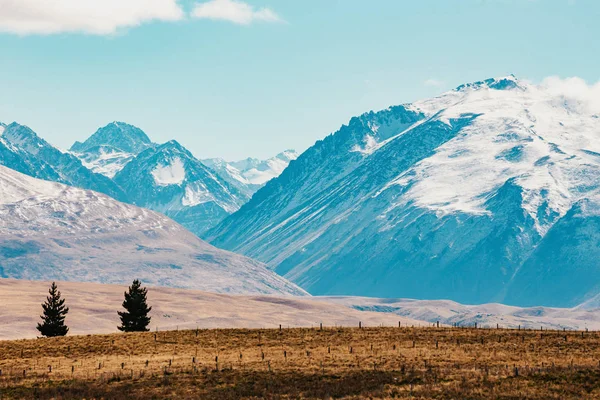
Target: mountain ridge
x,y
441,198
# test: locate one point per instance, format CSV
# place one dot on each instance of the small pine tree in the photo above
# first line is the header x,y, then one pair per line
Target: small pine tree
x,y
136,318
55,311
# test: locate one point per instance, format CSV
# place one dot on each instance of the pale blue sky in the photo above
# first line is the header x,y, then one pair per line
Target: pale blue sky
x,y
256,87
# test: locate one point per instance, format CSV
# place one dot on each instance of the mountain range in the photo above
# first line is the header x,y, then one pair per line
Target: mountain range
x,y
487,193
51,231
121,161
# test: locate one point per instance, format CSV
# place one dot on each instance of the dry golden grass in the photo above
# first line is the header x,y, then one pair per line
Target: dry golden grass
x,y
421,363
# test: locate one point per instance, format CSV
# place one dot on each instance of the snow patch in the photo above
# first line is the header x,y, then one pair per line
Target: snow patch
x,y
170,174
107,163
196,193
370,144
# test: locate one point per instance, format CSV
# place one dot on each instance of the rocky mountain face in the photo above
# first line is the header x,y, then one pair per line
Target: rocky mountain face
x,y
169,179
111,147
487,193
118,135
23,150
51,231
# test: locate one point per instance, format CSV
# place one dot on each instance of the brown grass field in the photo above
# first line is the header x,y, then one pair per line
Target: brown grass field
x,y
418,363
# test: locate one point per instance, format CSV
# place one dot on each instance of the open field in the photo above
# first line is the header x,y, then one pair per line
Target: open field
x,y
93,309
420,363
188,309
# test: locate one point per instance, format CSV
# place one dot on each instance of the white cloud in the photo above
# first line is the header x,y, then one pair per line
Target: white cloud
x,y
234,11
99,17
433,83
576,92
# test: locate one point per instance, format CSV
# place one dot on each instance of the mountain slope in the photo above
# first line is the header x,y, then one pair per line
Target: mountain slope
x,y
452,197
22,149
50,231
169,179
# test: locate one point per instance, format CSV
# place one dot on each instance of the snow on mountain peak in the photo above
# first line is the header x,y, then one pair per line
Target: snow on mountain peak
x,y
124,137
503,83
287,155
531,134
111,147
251,173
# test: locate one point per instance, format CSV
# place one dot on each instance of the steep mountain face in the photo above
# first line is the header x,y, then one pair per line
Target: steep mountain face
x,y
251,174
23,150
21,161
118,135
468,196
111,147
50,231
169,179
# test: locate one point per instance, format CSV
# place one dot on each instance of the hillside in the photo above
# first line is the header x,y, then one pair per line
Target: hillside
x,y
50,231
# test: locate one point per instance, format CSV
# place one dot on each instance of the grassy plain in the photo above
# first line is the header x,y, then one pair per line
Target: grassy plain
x,y
418,363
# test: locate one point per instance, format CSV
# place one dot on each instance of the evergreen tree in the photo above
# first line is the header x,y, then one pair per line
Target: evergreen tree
x,y
136,318
53,320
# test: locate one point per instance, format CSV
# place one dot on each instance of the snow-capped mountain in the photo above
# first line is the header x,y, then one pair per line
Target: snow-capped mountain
x,y
50,231
121,161
169,179
490,192
118,135
251,174
23,150
111,147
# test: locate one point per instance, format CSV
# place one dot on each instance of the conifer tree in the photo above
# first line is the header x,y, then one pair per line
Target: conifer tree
x,y
135,318
55,311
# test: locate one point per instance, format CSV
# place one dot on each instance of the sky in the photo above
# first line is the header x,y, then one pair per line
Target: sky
x,y
236,79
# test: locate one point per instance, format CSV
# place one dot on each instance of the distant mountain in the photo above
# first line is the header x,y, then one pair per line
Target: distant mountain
x,y
50,231
487,193
118,135
121,161
169,179
251,174
23,150
111,147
